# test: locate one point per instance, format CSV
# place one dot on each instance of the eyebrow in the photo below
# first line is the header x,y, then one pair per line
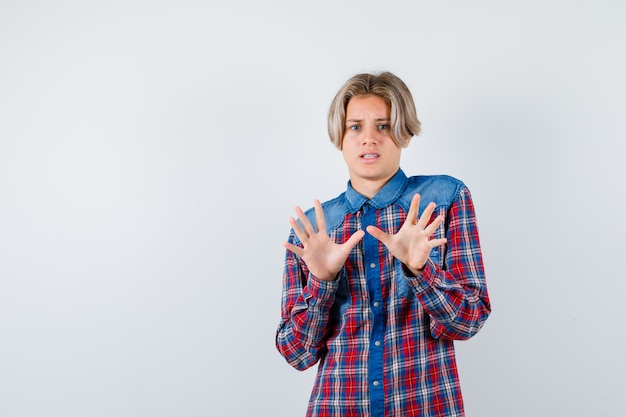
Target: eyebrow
x,y
383,119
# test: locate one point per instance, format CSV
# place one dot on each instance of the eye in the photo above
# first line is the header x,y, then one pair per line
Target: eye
x,y
383,127
354,127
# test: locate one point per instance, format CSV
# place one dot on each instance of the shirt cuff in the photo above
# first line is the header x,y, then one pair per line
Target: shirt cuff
x,y
324,291
424,280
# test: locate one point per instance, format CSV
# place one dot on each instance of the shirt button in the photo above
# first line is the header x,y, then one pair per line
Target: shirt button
x,y
372,265
376,303
377,343
375,383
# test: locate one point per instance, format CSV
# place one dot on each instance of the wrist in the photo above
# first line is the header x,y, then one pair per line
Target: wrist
x,y
411,271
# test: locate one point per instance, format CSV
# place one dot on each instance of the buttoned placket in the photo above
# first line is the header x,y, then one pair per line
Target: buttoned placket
x,y
376,342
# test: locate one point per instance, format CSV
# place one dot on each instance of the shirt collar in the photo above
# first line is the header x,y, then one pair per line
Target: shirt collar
x,y
385,197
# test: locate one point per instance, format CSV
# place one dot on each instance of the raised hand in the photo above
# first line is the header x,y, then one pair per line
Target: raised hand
x,y
323,257
412,244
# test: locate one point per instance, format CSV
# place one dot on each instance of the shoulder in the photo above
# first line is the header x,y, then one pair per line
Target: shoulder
x,y
335,210
441,189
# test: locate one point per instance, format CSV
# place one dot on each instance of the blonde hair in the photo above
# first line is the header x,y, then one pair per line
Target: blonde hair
x,y
404,121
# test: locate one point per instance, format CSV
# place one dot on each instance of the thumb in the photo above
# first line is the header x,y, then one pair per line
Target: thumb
x,y
378,234
354,239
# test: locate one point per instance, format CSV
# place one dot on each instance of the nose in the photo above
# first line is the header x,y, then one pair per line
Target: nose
x,y
370,134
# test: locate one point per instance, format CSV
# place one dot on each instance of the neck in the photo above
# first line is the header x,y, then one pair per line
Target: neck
x,y
368,188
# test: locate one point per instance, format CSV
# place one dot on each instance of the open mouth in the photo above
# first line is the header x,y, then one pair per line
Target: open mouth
x,y
369,156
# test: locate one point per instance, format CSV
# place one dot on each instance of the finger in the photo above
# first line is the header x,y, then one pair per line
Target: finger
x,y
293,248
433,243
297,230
378,234
430,229
354,239
306,224
411,217
426,215
319,217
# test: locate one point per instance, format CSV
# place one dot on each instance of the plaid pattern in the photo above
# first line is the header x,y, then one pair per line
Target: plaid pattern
x,y
384,339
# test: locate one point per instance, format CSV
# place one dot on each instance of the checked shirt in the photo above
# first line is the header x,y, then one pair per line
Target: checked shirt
x,y
383,339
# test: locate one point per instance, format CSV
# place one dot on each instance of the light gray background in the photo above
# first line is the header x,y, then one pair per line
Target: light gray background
x,y
151,153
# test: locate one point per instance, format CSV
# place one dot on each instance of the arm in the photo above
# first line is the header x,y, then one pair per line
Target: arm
x,y
455,297
305,311
312,265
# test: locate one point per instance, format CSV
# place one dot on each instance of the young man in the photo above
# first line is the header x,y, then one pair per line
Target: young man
x,y
381,280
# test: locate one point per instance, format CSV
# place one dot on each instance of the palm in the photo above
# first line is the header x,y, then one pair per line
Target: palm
x,y
411,245
323,257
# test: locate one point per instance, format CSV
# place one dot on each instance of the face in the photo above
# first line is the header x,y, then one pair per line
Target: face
x,y
368,147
